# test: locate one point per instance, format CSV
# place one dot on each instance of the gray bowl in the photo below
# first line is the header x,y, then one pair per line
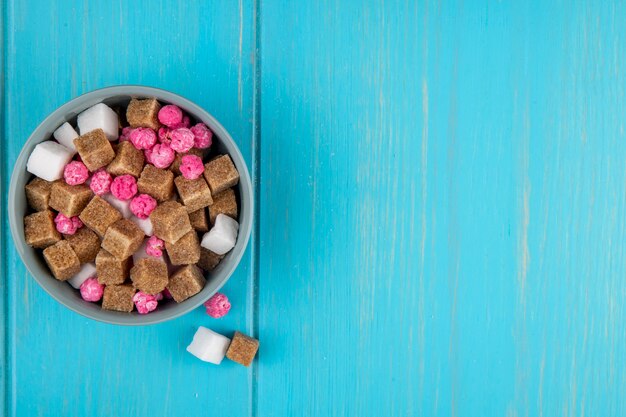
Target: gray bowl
x,y
62,291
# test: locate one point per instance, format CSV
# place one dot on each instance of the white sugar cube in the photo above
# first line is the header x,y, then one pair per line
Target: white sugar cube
x,y
65,135
122,206
223,236
86,271
141,253
208,346
99,116
144,224
48,160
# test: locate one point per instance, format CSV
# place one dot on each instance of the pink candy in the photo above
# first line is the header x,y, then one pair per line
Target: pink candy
x,y
67,225
182,139
124,187
191,167
100,182
217,306
142,205
75,173
185,123
145,303
155,246
164,135
126,133
91,290
170,115
143,137
203,137
161,155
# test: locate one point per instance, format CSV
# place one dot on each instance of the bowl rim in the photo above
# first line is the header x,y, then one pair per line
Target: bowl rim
x,y
133,90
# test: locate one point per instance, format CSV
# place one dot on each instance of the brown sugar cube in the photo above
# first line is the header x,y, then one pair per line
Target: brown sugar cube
x,y
149,275
99,215
94,149
220,173
175,167
38,194
128,160
199,220
85,243
185,251
143,113
110,270
208,260
123,238
159,183
118,298
194,194
224,203
185,282
242,349
170,221
40,230
62,260
69,199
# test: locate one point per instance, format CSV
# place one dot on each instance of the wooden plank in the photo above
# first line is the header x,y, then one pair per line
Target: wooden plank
x,y
61,363
442,203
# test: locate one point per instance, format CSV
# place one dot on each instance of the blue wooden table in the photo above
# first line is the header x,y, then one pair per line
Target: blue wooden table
x,y
441,221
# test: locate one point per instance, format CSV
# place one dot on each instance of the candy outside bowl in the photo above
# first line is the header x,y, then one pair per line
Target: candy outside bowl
x,y
62,291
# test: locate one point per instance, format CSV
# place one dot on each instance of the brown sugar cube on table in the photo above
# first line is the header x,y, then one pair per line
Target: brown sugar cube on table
x,y
170,221
185,251
128,160
208,260
224,203
69,199
122,238
40,230
98,215
242,349
110,270
118,298
194,194
159,183
149,275
62,260
143,113
38,194
94,149
175,167
220,173
199,220
186,282
86,244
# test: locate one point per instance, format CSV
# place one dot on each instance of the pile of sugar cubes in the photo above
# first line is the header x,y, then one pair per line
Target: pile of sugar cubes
x,y
134,207
211,347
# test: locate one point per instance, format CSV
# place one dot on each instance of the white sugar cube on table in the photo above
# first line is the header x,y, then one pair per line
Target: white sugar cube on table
x,y
141,253
86,271
122,206
223,236
209,346
102,117
144,224
48,160
65,135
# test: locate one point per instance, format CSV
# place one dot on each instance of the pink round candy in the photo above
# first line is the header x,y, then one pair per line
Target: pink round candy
x,y
125,133
124,187
182,139
164,135
217,306
100,182
142,205
143,137
161,155
203,137
155,246
166,293
75,173
185,123
191,167
170,115
67,225
91,290
158,296
145,303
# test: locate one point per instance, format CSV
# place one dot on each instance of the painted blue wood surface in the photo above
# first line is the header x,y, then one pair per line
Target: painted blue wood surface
x,y
441,193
